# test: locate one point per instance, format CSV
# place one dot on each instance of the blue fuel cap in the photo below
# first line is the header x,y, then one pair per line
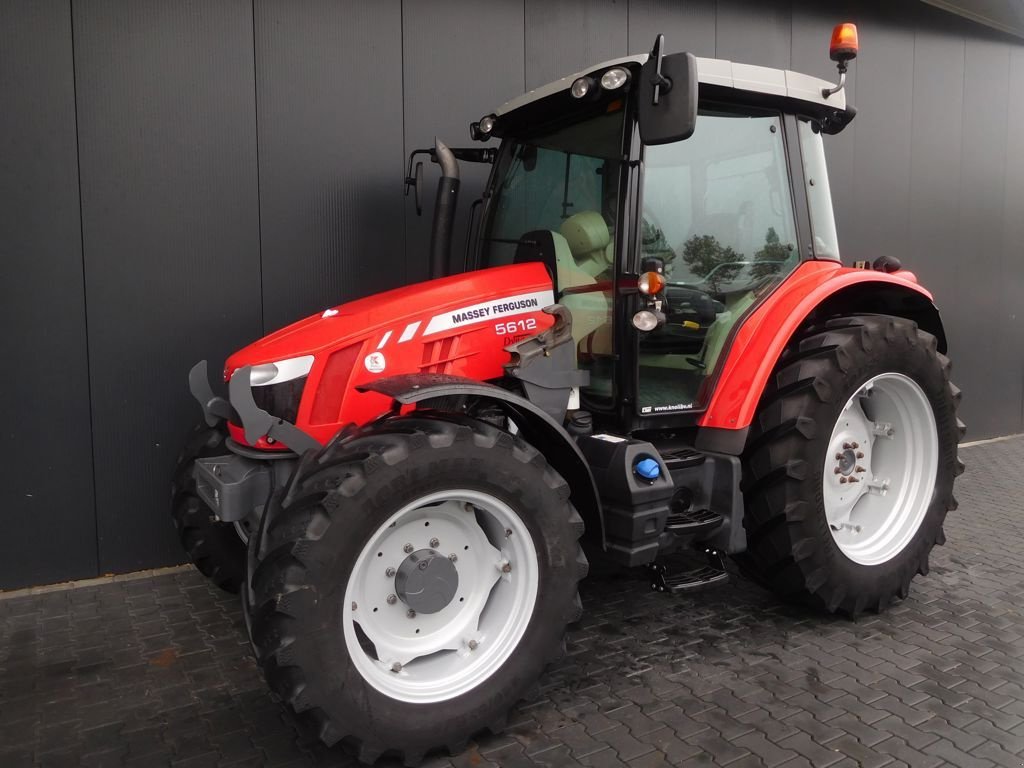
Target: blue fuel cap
x,y
648,469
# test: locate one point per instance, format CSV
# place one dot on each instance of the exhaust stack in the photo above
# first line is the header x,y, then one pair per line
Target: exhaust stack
x,y
444,210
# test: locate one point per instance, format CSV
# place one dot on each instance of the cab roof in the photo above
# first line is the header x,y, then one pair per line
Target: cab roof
x,y
783,83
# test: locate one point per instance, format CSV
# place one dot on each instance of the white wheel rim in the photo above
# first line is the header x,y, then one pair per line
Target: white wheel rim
x,y
431,657
879,475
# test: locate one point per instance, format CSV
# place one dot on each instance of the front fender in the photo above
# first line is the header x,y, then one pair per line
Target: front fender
x,y
535,425
762,337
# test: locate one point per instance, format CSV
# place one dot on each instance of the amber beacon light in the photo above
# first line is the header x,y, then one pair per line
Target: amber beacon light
x,y
842,48
844,43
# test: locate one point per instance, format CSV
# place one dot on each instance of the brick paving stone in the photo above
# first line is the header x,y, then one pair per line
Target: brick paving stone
x,y
156,672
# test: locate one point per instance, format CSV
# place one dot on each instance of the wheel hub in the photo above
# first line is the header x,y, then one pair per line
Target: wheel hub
x,y
847,461
426,581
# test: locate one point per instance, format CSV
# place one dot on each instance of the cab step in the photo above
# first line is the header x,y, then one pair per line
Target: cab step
x,y
681,457
692,521
666,579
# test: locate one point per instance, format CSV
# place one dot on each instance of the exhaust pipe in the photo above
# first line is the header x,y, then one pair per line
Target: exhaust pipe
x,y
444,210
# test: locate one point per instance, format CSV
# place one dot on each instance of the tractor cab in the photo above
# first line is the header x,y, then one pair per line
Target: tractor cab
x,y
663,220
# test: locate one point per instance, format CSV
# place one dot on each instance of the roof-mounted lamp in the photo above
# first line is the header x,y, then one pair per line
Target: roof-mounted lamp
x,y
842,49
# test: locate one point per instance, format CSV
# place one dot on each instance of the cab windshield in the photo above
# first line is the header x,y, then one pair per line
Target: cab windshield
x,y
555,200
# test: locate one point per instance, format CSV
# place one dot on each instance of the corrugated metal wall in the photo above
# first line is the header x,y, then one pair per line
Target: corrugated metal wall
x,y
176,178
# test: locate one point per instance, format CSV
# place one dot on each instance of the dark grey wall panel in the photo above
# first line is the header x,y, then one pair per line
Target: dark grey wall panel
x,y
1013,229
978,335
935,174
46,495
448,85
171,237
754,32
241,166
688,25
882,140
566,37
329,114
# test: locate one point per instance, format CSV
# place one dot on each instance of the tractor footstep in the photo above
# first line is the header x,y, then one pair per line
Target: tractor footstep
x,y
663,579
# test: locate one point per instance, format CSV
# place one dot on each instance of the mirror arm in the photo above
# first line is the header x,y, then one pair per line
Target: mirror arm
x,y
658,80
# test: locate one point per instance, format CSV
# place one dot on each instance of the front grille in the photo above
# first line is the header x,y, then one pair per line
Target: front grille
x,y
281,400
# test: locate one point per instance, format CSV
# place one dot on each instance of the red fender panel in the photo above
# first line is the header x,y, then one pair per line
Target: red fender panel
x,y
761,338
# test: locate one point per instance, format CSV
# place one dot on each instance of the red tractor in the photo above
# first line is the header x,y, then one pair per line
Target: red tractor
x,y
652,339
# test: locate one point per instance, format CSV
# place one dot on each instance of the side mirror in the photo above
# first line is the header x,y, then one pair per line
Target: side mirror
x,y
668,96
414,180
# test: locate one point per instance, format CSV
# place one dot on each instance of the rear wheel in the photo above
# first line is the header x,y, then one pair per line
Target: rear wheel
x,y
413,582
850,468
215,548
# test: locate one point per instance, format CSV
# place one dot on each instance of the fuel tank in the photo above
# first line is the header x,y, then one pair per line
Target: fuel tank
x,y
455,325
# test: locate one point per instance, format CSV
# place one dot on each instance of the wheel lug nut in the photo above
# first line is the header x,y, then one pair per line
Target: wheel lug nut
x,y
854,480
836,471
407,548
392,599
860,454
508,532
506,567
854,445
410,614
389,572
354,605
396,667
453,557
473,645
839,457
844,480
847,446
435,543
860,469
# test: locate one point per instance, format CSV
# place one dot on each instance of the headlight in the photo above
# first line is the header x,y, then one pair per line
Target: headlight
x,y
486,124
645,320
580,87
281,371
614,78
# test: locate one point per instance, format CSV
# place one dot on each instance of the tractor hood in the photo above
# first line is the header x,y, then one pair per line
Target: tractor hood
x,y
434,308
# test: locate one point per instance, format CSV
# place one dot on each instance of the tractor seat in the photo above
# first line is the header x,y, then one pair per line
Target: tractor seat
x,y
590,310
589,241
553,251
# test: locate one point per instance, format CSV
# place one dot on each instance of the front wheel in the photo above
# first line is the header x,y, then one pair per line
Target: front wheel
x,y
849,472
413,582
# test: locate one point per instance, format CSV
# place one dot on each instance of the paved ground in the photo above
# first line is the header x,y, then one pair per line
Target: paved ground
x,y
155,672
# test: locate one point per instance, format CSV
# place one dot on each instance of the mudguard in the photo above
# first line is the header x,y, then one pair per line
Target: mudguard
x,y
536,426
762,337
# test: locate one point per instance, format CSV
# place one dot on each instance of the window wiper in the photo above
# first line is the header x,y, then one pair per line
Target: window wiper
x,y
566,205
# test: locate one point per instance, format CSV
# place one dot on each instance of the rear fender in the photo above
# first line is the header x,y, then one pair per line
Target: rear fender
x,y
535,425
816,290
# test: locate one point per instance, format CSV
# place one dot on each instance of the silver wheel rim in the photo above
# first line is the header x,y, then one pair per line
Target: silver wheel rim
x,y
429,657
880,472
